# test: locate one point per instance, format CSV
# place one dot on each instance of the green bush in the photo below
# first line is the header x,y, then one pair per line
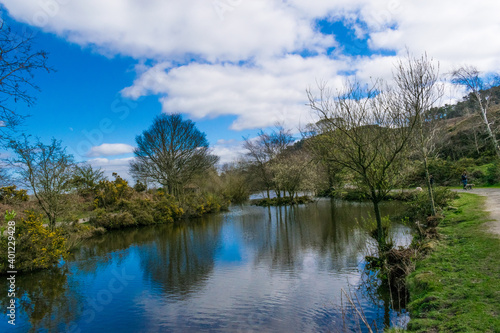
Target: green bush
x,y
420,208
200,204
492,176
112,220
286,201
354,195
477,174
36,246
141,209
140,187
143,217
402,196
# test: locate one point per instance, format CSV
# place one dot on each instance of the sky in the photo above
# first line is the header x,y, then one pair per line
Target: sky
x,y
232,66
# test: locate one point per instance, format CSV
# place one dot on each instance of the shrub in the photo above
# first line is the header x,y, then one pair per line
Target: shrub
x,y
140,187
36,246
80,231
143,217
199,204
9,194
265,202
110,192
493,174
354,195
419,208
166,210
76,232
112,220
477,175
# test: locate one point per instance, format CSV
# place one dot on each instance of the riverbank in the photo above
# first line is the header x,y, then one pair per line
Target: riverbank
x,y
455,289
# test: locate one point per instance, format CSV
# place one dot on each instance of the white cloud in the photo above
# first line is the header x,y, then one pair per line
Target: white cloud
x,y
228,30
228,150
119,165
266,36
260,95
174,29
110,149
453,32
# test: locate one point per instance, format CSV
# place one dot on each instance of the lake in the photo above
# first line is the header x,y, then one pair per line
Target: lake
x,y
252,269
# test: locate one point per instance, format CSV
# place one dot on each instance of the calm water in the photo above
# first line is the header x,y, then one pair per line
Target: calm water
x,y
250,269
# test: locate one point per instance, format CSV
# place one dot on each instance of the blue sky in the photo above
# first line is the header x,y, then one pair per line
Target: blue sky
x,y
233,66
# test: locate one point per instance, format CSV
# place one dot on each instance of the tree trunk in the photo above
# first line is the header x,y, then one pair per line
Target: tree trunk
x,y
476,143
491,135
429,187
378,217
52,222
483,109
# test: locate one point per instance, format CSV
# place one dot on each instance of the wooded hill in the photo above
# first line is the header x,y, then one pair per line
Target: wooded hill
x,y
462,132
460,144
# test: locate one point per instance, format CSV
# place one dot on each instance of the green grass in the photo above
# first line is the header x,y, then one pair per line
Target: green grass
x,y
490,186
457,288
482,186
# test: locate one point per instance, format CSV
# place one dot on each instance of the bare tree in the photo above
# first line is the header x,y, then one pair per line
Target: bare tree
x,y
18,64
171,152
418,90
47,170
470,78
321,145
263,149
371,135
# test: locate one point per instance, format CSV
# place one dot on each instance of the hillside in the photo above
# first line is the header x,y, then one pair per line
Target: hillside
x,y
463,132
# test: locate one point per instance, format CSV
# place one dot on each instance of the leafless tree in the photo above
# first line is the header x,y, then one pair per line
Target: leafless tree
x,y
320,143
418,90
263,149
371,135
18,64
470,78
47,170
171,152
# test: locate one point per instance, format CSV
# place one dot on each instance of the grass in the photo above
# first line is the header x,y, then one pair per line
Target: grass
x,y
490,186
457,288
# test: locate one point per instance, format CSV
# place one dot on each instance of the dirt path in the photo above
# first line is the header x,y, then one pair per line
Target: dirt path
x,y
492,205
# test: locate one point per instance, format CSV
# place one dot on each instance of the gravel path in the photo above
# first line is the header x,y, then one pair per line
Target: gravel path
x,y
492,205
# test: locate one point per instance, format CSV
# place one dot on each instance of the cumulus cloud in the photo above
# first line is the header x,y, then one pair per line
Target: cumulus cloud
x,y
119,165
259,94
173,29
254,59
228,150
110,149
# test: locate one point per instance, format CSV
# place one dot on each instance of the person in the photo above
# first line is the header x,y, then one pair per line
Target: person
x,y
464,179
431,180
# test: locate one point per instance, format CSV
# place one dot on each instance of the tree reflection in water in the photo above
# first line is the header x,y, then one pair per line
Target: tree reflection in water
x,y
253,268
44,298
181,258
